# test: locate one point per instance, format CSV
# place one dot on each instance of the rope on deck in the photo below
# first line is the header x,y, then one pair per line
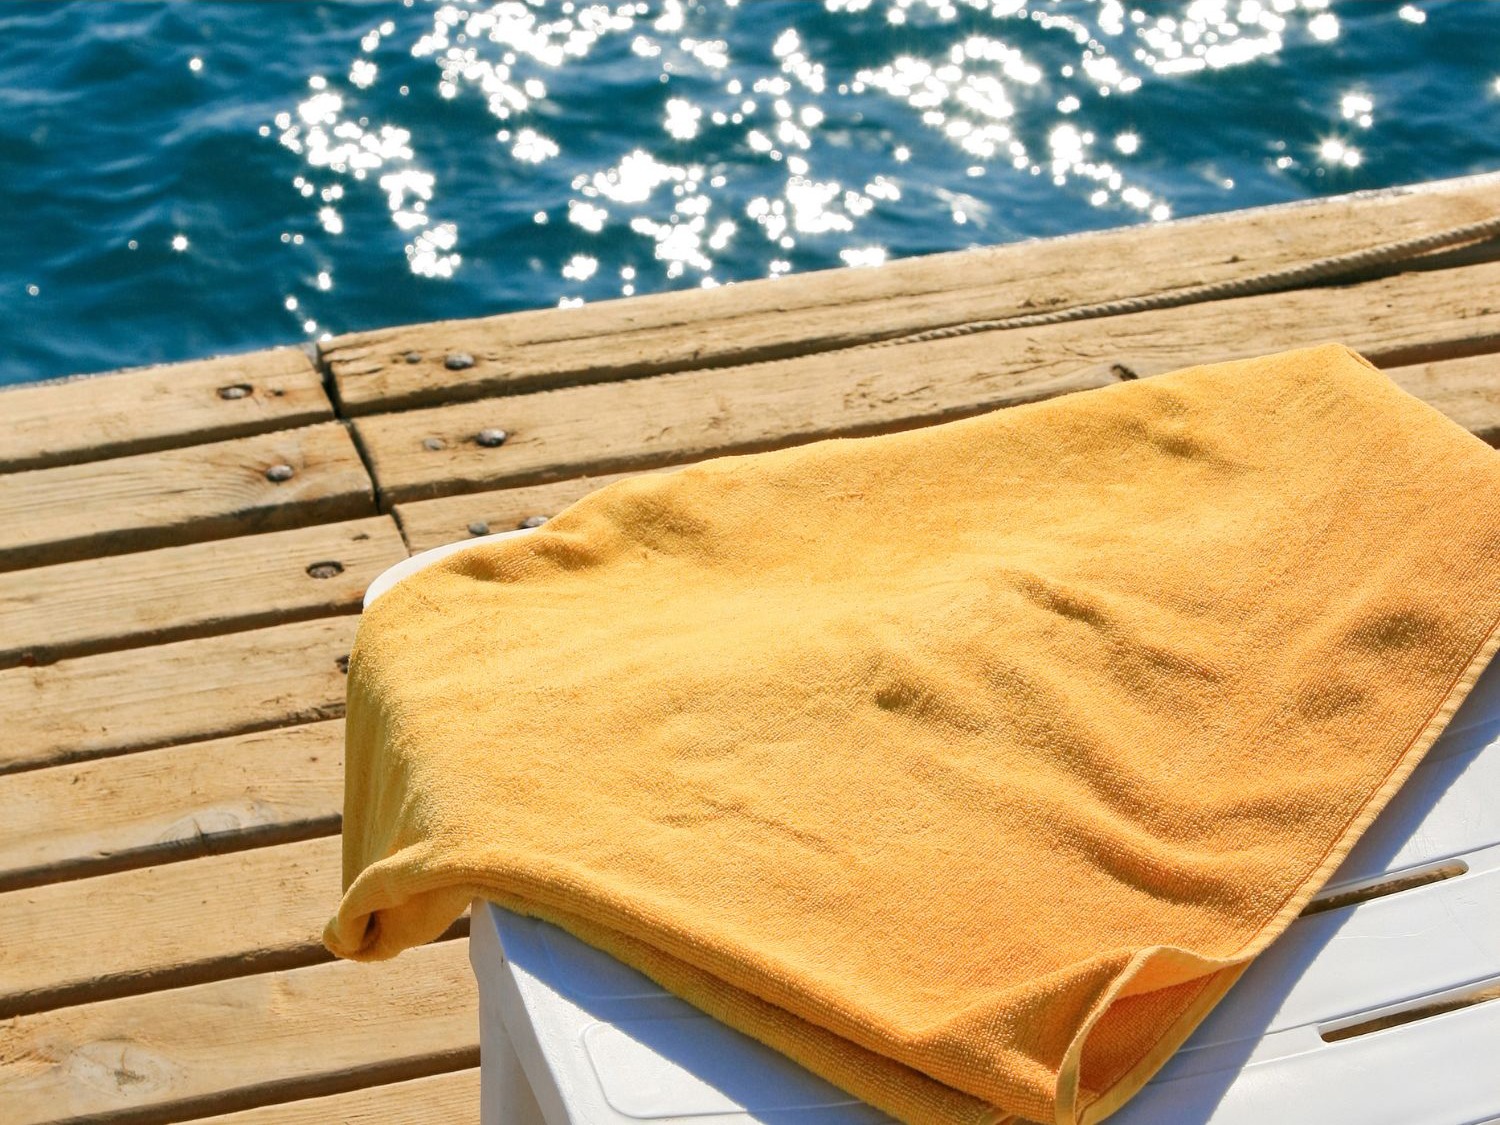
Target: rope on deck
x,y
1289,277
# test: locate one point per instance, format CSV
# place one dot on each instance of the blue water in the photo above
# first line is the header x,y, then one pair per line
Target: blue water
x,y
184,178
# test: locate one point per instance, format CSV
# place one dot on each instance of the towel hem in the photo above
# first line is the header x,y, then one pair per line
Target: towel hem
x,y
1071,1108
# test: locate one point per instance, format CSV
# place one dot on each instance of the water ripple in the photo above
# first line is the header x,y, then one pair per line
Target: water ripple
x,y
201,180
751,152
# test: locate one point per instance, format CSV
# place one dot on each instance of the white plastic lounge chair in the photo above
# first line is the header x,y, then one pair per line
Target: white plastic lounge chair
x,y
1381,1007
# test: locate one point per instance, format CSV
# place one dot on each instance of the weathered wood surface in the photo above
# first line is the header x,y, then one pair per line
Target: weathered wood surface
x,y
173,803
201,492
672,419
754,321
150,408
431,523
109,946
1466,390
153,597
442,1099
93,706
234,1044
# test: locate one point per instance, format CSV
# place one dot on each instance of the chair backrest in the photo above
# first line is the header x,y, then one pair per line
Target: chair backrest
x,y
1371,1007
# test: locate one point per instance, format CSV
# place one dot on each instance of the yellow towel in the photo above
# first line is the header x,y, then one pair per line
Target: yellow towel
x,y
967,766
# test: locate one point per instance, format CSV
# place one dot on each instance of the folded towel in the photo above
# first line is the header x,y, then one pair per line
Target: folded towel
x,y
968,766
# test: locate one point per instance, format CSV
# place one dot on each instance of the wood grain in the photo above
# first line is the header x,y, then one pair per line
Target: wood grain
x,y
673,419
161,499
250,1041
1466,390
760,320
174,803
153,597
442,1099
98,416
94,706
166,926
431,523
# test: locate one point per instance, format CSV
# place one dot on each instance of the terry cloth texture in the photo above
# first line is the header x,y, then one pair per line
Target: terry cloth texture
x,y
967,766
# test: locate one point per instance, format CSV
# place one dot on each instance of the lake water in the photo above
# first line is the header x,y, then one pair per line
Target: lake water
x,y
181,179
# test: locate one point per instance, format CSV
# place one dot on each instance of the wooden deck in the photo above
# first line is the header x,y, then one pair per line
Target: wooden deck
x,y
183,550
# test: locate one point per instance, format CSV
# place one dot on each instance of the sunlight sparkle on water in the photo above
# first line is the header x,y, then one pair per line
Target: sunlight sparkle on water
x,y
682,119
1357,108
774,137
1324,26
1335,151
863,256
532,147
580,267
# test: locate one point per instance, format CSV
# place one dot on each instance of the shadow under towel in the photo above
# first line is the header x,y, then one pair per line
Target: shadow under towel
x,y
968,766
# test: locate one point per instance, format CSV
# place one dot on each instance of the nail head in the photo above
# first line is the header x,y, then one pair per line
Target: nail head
x,y
235,390
479,527
491,438
457,361
326,569
413,357
434,444
532,521
279,473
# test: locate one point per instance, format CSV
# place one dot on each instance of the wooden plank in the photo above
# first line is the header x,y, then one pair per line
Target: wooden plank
x,y
166,926
760,320
1466,390
442,1099
672,419
176,496
431,523
94,706
153,597
234,1044
98,416
174,803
